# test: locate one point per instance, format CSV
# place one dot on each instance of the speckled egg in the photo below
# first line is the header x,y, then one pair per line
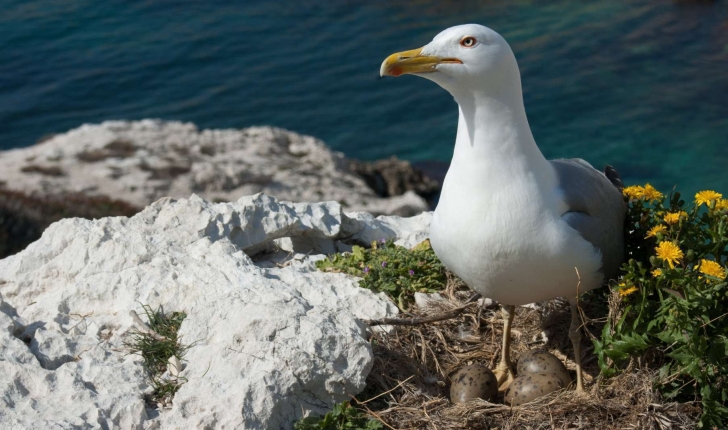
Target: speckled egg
x,y
541,361
531,386
473,382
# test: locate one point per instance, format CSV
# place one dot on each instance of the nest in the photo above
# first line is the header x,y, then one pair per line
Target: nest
x,y
408,387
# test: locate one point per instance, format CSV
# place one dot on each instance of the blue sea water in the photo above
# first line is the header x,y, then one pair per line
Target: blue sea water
x,y
641,85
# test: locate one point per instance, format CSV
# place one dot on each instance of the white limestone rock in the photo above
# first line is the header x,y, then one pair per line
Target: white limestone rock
x,y
101,390
142,161
408,232
271,340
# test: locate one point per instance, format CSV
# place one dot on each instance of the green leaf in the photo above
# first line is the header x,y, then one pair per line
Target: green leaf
x,y
342,416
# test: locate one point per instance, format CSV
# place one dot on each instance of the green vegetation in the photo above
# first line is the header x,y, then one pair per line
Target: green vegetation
x,y
398,271
157,352
343,417
672,298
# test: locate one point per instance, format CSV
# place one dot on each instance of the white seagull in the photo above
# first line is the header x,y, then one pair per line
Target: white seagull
x,y
516,227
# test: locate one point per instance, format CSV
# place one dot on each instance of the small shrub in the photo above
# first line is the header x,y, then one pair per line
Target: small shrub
x,y
121,148
672,302
118,148
398,271
92,155
343,417
170,171
43,170
156,353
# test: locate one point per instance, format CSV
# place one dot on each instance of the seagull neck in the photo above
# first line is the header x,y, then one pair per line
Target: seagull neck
x,y
493,130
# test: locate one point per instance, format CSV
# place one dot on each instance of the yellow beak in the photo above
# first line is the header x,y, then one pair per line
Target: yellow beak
x,y
411,62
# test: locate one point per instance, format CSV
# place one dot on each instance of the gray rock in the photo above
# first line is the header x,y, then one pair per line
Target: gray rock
x,y
392,177
273,339
139,162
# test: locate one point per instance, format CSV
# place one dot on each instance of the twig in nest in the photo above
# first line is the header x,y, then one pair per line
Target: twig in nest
x,y
145,328
384,393
417,321
377,416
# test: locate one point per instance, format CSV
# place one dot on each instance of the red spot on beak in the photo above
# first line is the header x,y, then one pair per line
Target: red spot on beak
x,y
396,71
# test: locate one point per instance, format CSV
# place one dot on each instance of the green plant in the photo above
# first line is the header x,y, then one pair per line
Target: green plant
x,y
672,301
157,350
398,271
342,417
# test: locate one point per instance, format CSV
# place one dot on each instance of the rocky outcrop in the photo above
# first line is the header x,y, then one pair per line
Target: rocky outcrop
x,y
393,177
271,338
139,162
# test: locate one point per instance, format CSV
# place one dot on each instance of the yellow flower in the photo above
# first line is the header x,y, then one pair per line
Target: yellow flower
x,y
711,268
669,252
722,205
657,273
649,193
628,291
707,197
624,291
634,191
656,229
674,217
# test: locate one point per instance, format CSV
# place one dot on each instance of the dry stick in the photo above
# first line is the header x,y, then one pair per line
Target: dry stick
x,y
145,328
716,318
582,315
424,409
424,346
384,393
434,357
83,318
439,334
377,416
417,321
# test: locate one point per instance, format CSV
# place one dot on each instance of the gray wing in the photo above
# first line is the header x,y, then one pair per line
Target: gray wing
x,y
596,209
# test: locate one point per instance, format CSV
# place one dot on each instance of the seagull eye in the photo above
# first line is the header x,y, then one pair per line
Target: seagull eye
x,y
468,42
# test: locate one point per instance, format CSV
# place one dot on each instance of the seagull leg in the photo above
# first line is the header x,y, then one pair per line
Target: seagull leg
x,y
575,336
504,371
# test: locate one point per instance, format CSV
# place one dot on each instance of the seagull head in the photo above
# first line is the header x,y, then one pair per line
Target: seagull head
x,y
465,58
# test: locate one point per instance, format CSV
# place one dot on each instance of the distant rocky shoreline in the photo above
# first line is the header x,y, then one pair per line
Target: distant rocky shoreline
x,y
116,168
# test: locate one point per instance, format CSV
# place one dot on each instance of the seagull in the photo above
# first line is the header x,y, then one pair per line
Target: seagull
x,y
517,228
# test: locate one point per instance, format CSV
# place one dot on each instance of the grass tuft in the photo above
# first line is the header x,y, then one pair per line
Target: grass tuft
x,y
156,353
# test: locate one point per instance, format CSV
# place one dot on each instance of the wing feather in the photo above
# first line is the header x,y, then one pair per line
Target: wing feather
x,y
595,208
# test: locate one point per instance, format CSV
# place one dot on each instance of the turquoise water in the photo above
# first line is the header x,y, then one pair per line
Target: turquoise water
x,y
640,85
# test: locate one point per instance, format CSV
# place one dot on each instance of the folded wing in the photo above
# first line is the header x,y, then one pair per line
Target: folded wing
x,y
596,208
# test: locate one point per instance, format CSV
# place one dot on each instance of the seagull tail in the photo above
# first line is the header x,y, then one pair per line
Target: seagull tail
x,y
613,176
